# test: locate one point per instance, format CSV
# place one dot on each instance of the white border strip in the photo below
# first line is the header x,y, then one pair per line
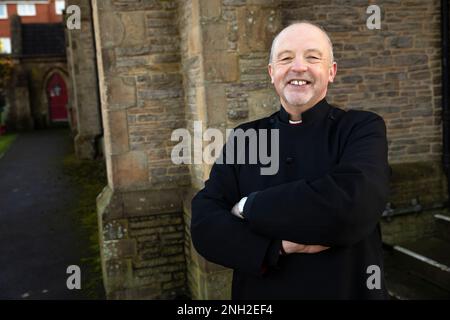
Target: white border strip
x,y
422,258
442,217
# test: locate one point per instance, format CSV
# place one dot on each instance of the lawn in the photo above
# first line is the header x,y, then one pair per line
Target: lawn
x,y
5,142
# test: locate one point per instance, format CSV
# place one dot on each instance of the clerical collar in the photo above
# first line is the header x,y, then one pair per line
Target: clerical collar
x,y
313,113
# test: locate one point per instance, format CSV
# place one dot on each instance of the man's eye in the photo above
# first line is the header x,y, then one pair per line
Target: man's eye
x,y
313,57
286,58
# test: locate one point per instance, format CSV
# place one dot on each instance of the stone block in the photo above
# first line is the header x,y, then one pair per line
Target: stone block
x,y
257,26
158,80
173,284
352,79
234,2
115,230
103,5
155,221
129,170
154,278
119,249
118,275
401,42
109,206
134,24
354,62
264,3
149,202
418,149
262,103
210,9
112,31
211,286
179,275
121,92
221,66
216,104
215,36
116,133
411,59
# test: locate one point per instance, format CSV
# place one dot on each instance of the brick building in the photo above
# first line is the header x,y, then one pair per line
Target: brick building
x,y
32,34
159,65
40,11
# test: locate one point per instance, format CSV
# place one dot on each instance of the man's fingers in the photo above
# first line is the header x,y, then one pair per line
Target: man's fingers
x,y
314,249
292,247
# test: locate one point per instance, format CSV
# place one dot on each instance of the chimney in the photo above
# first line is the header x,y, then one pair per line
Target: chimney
x,y
16,35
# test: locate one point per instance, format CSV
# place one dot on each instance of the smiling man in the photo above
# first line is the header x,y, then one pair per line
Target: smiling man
x,y
310,231
301,66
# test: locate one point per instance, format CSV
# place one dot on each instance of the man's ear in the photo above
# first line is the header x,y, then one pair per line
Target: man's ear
x,y
333,70
270,69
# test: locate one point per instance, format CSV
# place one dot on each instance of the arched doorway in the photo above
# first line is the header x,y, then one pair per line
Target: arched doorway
x,y
57,98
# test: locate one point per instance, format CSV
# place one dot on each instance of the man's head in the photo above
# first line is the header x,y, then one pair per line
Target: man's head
x,y
301,66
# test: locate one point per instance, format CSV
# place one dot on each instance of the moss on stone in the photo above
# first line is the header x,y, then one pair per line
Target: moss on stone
x,y
89,176
424,181
404,172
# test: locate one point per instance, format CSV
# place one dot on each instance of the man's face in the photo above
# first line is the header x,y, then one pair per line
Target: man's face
x,y
301,67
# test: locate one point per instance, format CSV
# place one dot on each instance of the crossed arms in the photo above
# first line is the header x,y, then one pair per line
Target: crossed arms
x,y
338,209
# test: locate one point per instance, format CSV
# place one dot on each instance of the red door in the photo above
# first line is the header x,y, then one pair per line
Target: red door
x,y
57,98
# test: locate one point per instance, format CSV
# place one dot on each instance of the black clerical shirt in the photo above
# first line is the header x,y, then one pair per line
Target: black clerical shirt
x,y
330,190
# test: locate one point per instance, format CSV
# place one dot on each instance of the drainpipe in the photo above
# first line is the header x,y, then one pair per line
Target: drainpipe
x,y
99,106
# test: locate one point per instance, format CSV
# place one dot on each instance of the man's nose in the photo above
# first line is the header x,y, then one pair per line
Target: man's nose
x,y
299,65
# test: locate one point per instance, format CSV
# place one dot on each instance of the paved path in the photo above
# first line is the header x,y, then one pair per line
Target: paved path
x,y
39,238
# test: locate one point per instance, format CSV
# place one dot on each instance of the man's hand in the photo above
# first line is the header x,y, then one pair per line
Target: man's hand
x,y
292,247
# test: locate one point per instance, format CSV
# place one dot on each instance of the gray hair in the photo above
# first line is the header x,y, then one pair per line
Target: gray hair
x,y
302,22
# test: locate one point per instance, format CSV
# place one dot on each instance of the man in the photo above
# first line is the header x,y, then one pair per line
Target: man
x,y
311,230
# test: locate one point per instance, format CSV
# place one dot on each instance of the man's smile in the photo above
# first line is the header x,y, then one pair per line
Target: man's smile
x,y
298,83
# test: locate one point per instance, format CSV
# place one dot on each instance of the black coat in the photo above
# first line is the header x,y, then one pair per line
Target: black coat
x,y
331,188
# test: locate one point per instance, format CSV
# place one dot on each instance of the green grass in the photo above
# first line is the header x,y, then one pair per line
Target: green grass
x,y
90,178
5,142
